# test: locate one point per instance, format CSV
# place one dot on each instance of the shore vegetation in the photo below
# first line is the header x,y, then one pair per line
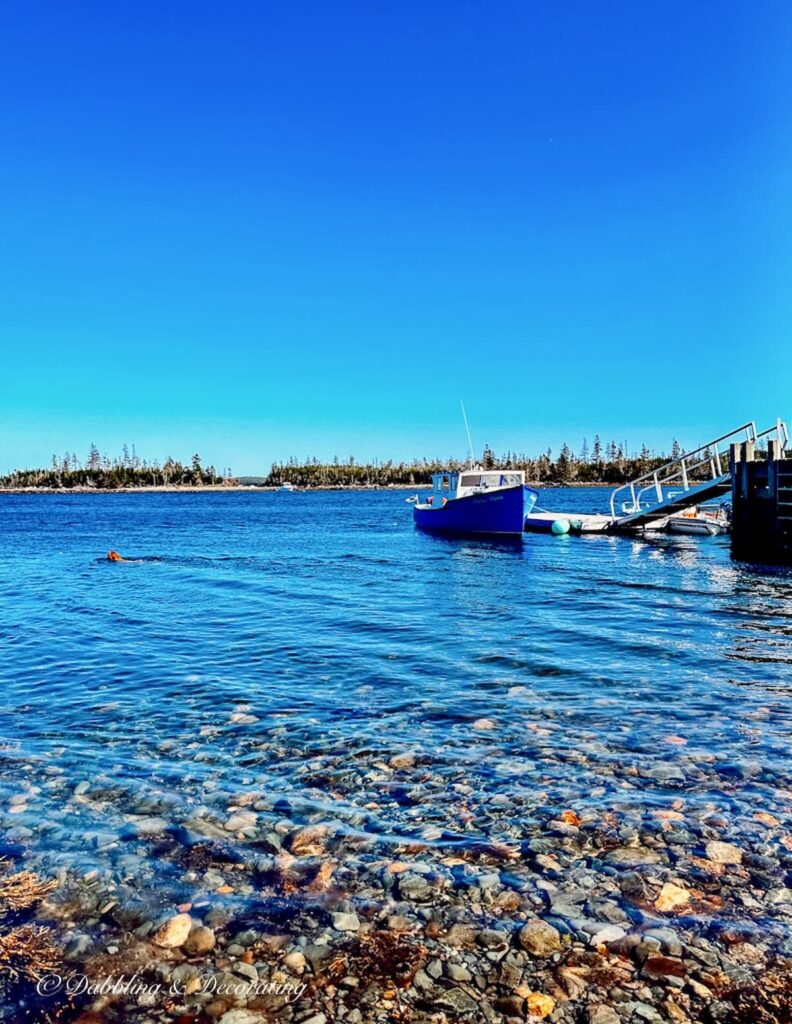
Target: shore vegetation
x,y
102,472
597,463
594,463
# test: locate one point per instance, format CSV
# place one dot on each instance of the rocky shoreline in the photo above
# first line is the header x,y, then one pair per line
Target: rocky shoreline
x,y
643,914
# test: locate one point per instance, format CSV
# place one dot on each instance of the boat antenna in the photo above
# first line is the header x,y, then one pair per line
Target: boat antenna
x,y
467,430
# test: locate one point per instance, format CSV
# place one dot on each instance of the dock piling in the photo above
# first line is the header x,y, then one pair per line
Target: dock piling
x,y
762,502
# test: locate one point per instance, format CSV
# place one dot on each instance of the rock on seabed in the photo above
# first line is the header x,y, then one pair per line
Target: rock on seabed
x,y
540,938
201,940
671,897
723,853
174,932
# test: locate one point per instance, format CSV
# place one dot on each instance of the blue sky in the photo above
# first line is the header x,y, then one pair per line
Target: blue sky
x,y
259,229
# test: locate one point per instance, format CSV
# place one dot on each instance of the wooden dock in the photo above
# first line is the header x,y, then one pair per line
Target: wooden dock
x,y
761,503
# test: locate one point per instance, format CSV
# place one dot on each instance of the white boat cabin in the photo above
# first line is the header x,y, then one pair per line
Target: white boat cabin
x,y
451,485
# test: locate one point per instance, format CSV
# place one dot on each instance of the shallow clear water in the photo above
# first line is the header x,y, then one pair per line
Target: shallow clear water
x,y
282,646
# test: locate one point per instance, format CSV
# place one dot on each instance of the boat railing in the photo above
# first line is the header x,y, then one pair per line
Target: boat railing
x,y
691,470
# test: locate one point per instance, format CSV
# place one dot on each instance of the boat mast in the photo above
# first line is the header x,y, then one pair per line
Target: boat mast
x,y
467,430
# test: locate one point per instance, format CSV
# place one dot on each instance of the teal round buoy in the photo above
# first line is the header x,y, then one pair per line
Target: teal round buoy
x,y
560,527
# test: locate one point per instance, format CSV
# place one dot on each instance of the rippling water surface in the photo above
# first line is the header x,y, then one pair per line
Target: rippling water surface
x,y
283,648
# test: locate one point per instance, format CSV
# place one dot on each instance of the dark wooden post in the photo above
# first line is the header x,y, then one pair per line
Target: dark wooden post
x,y
761,504
735,457
782,480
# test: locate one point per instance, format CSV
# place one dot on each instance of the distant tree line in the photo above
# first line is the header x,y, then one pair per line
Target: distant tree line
x,y
599,463
125,470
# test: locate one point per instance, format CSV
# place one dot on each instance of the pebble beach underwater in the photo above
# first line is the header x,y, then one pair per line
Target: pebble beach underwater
x,y
297,761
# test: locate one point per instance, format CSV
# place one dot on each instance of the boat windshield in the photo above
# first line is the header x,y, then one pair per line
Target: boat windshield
x,y
490,480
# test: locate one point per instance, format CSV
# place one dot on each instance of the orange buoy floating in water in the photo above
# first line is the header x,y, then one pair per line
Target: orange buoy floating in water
x,y
113,556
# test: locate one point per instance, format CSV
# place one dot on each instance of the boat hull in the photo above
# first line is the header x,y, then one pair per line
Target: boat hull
x,y
702,527
495,512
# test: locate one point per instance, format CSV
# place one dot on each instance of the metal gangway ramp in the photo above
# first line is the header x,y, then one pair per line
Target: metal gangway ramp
x,y
690,479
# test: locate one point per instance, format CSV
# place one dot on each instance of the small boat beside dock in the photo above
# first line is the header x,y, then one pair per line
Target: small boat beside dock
x,y
700,520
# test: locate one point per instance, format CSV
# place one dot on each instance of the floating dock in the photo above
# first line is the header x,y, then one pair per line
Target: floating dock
x,y
542,522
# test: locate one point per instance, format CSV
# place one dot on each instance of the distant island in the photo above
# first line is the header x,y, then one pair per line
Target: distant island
x,y
100,472
598,464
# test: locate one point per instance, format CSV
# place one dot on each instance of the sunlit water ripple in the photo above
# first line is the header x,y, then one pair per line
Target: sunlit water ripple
x,y
269,643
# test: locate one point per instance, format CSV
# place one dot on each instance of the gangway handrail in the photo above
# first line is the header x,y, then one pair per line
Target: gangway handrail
x,y
656,479
782,435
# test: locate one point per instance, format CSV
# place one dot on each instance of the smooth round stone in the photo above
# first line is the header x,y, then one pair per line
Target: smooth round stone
x,y
200,940
174,931
345,922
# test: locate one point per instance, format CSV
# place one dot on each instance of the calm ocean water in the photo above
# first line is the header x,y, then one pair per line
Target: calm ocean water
x,y
282,645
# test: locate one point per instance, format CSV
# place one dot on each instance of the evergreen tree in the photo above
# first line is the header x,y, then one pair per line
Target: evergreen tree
x,y
563,462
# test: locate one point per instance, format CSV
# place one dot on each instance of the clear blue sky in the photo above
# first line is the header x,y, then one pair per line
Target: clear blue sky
x,y
263,229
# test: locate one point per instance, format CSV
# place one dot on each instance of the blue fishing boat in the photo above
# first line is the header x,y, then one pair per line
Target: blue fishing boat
x,y
474,501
